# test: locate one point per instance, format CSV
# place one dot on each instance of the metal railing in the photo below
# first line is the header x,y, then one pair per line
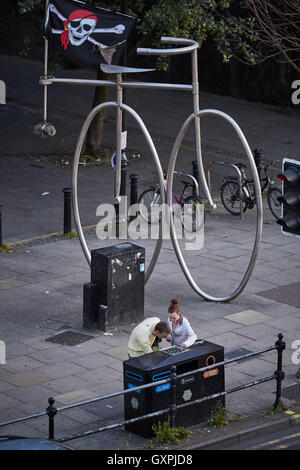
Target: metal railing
x,y
278,375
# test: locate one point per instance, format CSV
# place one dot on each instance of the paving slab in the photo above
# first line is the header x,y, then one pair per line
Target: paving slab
x,y
25,379
248,317
75,396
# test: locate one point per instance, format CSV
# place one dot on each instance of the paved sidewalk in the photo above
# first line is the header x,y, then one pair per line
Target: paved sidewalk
x,y
41,282
41,295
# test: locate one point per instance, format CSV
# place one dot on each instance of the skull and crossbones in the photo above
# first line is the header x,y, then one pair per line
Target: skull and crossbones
x,y
79,27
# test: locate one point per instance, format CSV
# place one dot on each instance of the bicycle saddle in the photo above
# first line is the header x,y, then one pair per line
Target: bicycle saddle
x,y
120,69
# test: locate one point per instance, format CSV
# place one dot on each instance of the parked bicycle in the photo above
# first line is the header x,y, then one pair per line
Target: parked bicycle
x,y
188,207
231,196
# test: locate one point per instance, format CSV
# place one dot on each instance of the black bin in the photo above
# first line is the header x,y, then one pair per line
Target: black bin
x,y
157,366
115,295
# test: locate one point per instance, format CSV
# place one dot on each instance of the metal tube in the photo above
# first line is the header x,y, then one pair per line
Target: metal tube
x,y
26,418
77,81
259,222
160,412
189,47
80,141
114,426
197,129
160,86
195,182
227,361
240,181
80,81
146,386
226,392
117,173
240,188
164,381
46,46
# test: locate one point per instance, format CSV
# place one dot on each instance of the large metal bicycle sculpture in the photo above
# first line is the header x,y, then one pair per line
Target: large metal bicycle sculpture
x,y
186,46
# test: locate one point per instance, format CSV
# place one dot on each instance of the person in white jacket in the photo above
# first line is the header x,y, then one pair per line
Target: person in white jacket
x,y
182,334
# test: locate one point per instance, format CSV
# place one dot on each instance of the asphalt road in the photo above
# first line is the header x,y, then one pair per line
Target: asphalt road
x,y
288,439
31,186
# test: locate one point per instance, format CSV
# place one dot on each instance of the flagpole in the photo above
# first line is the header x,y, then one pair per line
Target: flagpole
x,y
46,46
124,11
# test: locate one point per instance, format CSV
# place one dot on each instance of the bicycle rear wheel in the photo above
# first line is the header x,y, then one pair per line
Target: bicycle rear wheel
x,y
192,214
274,204
230,196
147,205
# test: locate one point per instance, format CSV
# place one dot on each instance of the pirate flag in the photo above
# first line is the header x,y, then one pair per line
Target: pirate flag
x,y
87,35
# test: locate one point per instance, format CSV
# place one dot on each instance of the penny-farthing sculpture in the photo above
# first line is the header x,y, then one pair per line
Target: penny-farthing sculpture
x,y
187,46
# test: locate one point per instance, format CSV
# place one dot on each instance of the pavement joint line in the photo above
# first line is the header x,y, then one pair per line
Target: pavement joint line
x,y
54,235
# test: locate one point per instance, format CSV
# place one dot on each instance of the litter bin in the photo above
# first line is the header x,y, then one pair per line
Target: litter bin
x,y
157,366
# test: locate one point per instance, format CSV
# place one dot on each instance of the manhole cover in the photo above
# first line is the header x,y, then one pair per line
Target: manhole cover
x,y
288,294
237,353
292,392
69,338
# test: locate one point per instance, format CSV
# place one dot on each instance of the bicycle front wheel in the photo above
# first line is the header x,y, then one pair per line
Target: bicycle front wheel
x,y
148,202
274,204
192,214
230,196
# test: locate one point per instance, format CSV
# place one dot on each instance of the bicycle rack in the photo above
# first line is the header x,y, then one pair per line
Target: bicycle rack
x,y
240,181
187,46
192,178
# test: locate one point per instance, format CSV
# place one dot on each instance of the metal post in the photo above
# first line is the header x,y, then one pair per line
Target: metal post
x,y
121,218
196,176
46,50
173,407
1,237
124,10
279,374
133,191
51,411
67,211
257,159
123,175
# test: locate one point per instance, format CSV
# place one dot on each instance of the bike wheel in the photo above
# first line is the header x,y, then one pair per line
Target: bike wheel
x,y
230,196
274,204
147,205
192,214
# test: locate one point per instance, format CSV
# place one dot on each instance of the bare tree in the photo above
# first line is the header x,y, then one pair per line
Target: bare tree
x,y
277,25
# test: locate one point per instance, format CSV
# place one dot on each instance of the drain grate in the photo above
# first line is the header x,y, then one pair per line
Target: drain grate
x,y
69,338
288,294
292,392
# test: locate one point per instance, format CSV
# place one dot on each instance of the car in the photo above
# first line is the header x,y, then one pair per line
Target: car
x,y
29,443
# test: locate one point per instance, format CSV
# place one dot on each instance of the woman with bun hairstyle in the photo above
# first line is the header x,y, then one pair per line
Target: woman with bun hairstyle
x,y
182,334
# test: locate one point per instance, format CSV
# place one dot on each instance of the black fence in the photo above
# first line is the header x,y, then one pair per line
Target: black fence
x,y
51,410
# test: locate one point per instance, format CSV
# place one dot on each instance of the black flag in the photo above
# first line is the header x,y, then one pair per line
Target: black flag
x,y
87,35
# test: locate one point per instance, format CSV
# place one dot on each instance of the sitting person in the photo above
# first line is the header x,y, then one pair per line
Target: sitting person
x,y
145,336
182,334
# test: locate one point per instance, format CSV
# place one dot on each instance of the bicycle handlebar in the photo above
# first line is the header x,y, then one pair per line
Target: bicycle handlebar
x,y
190,45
